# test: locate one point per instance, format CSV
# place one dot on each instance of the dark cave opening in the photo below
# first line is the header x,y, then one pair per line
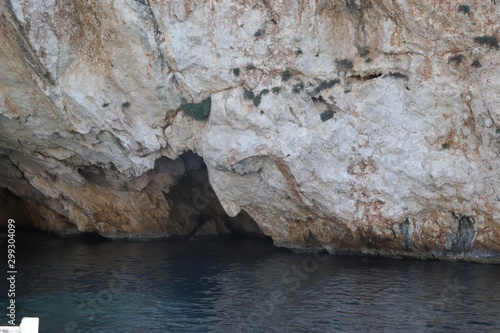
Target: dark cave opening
x,y
194,203
14,207
195,212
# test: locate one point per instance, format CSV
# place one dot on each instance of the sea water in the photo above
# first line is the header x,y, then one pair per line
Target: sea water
x,y
94,285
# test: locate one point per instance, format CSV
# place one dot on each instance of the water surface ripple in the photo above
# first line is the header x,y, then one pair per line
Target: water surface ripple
x,y
89,285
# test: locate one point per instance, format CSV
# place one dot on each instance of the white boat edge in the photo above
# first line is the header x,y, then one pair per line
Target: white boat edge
x,y
28,325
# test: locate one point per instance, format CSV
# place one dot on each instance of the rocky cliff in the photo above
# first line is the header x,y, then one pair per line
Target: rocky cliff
x,y
348,125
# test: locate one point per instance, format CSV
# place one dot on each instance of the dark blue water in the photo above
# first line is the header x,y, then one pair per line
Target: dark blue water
x,y
83,285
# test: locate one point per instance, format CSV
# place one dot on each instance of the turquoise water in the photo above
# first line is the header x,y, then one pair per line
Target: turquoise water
x,y
91,285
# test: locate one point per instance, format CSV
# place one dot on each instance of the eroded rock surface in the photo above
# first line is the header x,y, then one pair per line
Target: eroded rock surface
x,y
357,125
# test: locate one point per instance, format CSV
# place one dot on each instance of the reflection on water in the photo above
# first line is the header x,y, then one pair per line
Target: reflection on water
x,y
77,285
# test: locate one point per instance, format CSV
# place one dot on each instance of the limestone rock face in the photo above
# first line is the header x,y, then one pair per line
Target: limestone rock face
x,y
357,125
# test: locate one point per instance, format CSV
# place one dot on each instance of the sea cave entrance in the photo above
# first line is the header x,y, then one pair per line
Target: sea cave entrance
x,y
195,203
